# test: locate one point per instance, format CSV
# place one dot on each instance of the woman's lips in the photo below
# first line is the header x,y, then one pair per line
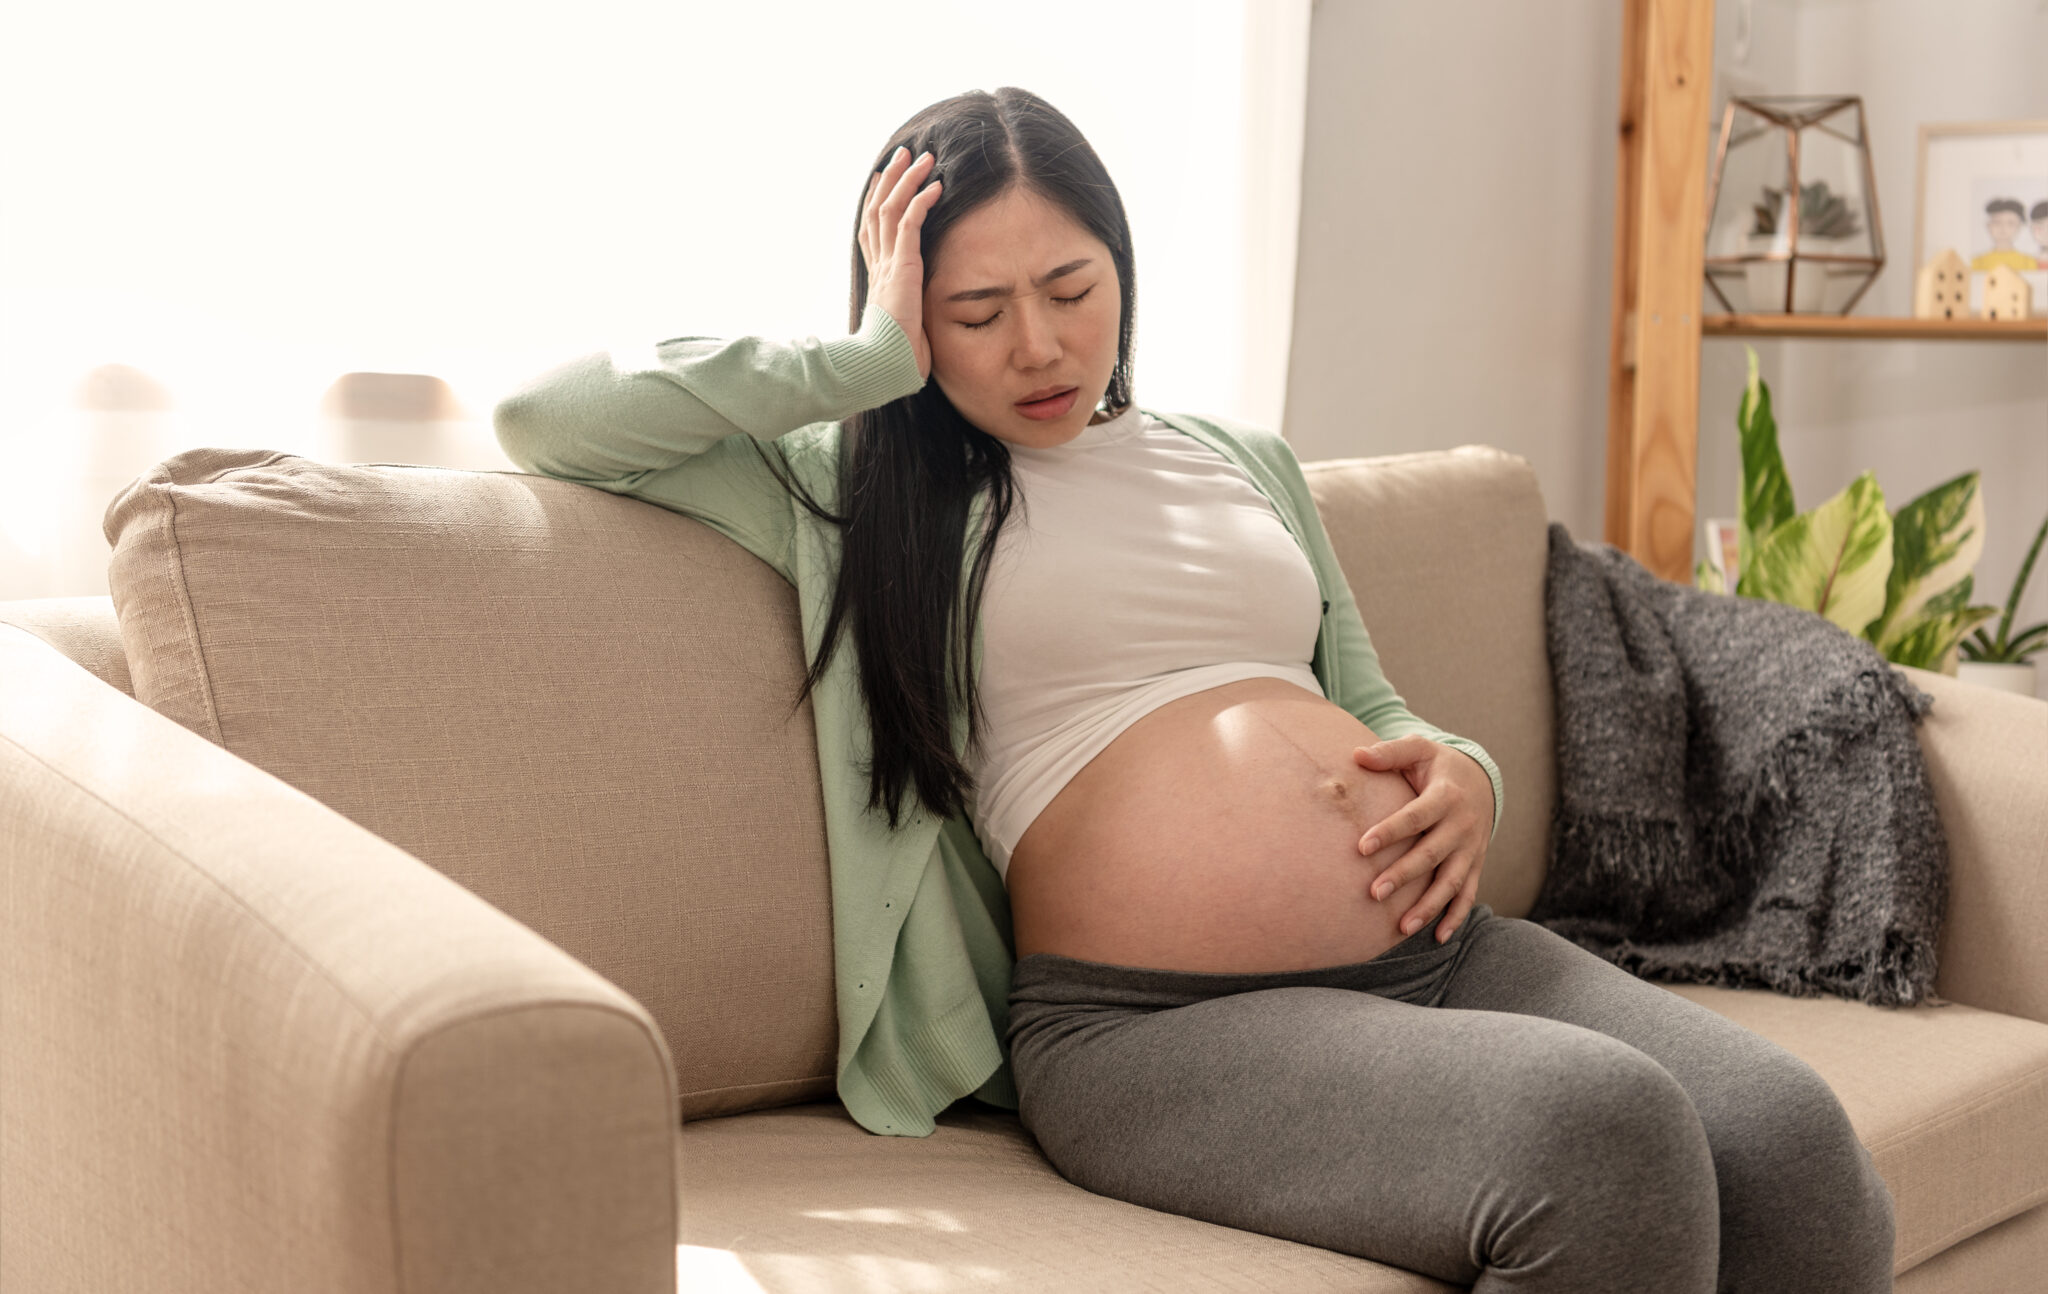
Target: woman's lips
x,y
1052,407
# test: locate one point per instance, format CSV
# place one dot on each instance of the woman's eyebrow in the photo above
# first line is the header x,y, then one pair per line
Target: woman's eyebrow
x,y
976,294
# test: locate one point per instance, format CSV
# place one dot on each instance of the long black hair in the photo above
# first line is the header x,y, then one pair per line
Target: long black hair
x,y
909,469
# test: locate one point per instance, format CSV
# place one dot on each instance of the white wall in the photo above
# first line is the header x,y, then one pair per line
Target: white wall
x,y
1456,243
1457,209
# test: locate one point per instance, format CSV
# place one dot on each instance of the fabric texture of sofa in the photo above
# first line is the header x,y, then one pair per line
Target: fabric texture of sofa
x,y
414,880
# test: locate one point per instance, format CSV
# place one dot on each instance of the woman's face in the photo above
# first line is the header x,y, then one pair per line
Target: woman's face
x,y
1002,328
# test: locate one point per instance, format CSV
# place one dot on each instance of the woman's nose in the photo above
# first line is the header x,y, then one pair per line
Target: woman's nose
x,y
1037,338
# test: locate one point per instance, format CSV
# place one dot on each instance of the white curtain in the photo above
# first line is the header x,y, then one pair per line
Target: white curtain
x,y
346,231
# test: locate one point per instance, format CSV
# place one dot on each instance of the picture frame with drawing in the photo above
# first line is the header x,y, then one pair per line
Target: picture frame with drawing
x,y
1981,188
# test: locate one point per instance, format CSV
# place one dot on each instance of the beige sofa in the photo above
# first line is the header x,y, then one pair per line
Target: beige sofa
x,y
451,913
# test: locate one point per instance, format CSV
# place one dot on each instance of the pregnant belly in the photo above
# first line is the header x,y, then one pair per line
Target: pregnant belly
x,y
1218,833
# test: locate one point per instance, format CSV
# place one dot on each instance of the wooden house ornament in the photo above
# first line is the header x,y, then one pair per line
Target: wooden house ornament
x,y
1942,288
2006,295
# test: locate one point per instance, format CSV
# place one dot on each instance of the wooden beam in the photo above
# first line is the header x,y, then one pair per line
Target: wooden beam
x,y
1660,231
1621,360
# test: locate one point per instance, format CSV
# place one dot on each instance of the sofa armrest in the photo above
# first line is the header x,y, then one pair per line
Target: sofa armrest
x,y
1987,756
247,1044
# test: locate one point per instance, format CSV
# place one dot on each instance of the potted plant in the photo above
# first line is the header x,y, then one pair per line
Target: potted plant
x,y
1899,580
1823,216
2002,660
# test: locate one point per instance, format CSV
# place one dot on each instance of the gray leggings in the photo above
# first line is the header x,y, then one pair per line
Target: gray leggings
x,y
1505,1110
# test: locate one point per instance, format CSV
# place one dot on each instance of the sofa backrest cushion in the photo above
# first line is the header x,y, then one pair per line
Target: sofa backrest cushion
x,y
575,704
1445,552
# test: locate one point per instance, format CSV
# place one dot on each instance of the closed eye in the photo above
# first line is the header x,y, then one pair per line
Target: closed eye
x,y
999,314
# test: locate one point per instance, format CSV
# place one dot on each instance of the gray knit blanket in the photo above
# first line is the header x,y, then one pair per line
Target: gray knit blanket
x,y
1741,796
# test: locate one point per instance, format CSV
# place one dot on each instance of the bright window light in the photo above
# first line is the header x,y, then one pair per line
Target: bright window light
x,y
242,202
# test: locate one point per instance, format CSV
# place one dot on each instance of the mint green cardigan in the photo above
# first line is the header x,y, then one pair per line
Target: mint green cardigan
x,y
921,938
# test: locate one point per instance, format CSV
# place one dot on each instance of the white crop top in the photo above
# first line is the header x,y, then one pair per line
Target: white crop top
x,y
1138,566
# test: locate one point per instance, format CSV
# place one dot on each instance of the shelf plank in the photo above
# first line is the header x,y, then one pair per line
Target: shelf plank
x,y
1873,327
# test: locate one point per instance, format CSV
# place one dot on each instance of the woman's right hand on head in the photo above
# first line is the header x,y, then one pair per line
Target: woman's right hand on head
x,y
891,221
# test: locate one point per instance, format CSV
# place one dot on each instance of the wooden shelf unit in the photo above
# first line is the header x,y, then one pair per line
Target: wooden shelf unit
x,y
1873,326
1660,226
1653,358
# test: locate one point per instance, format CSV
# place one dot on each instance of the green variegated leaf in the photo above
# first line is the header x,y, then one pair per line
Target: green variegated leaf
x,y
1708,576
1766,489
1951,599
1930,641
1936,540
1832,560
1924,639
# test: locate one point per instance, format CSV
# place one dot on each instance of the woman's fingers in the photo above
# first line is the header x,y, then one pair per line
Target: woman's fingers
x,y
1429,850
910,269
1411,818
880,185
912,218
892,223
1398,752
871,219
900,194
1442,890
1454,916
867,223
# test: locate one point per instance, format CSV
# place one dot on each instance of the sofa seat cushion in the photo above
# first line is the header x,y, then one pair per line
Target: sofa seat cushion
x,y
1951,1100
803,1198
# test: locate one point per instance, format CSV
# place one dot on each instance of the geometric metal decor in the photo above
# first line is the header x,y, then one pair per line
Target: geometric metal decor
x,y
1792,222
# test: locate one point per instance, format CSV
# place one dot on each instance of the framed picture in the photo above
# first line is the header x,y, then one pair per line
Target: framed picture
x,y
1982,189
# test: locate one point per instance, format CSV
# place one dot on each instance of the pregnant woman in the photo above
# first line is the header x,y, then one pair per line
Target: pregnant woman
x,y
1253,983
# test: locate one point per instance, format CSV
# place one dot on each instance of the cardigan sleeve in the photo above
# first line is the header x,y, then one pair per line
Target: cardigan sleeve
x,y
671,423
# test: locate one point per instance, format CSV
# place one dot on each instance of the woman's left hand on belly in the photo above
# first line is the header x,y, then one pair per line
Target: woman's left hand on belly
x,y
1450,817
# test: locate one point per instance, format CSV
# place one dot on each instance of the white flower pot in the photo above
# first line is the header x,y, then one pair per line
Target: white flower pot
x,y
2006,678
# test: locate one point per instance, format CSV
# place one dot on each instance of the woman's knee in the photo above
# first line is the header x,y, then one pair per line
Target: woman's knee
x,y
1783,1140
1607,1172
1773,1108
1599,1110
1802,1202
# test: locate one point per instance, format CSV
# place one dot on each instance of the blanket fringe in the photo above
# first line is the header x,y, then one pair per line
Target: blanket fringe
x,y
1678,885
